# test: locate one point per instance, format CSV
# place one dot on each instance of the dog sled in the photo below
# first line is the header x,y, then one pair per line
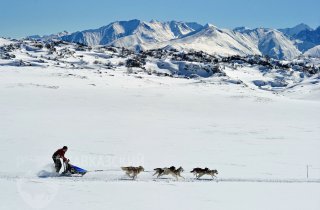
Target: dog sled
x,y
72,170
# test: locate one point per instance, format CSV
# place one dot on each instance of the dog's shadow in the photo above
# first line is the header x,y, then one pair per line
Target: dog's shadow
x,y
205,180
162,178
127,179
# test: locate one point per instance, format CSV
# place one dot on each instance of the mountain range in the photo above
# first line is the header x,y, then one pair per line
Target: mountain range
x,y
139,35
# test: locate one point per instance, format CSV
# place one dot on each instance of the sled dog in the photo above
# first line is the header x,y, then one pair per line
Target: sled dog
x,y
199,172
132,172
162,171
169,171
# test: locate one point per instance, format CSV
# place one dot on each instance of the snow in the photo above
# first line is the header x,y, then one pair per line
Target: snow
x,y
4,41
257,125
226,42
210,40
136,195
260,141
276,45
313,52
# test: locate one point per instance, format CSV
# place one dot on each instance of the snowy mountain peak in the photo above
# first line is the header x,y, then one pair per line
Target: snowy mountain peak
x,y
209,25
241,29
296,29
303,26
123,27
133,33
143,35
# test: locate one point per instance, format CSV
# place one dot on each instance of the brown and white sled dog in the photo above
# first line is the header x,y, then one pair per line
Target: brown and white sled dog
x,y
169,171
199,172
132,172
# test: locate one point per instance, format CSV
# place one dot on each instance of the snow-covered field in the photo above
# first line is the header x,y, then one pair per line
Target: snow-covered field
x,y
260,141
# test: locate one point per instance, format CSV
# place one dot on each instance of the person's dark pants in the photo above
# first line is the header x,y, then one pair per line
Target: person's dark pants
x,y
57,164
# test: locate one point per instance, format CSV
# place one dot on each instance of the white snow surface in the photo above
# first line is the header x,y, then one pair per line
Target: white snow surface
x,y
258,126
260,141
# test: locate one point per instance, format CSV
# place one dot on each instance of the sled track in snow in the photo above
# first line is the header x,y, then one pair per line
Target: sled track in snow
x,y
156,180
191,180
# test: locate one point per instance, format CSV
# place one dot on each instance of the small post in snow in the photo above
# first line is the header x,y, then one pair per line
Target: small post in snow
x,y
307,171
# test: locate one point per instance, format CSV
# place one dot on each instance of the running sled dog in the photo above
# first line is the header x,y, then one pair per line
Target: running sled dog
x,y
169,171
132,172
199,172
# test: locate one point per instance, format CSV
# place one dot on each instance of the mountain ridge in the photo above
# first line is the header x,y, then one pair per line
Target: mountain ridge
x,y
140,35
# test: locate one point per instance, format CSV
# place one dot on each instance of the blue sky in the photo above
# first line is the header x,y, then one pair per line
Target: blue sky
x,y
19,18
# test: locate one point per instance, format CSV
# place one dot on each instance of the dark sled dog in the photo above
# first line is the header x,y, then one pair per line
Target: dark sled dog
x,y
199,172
